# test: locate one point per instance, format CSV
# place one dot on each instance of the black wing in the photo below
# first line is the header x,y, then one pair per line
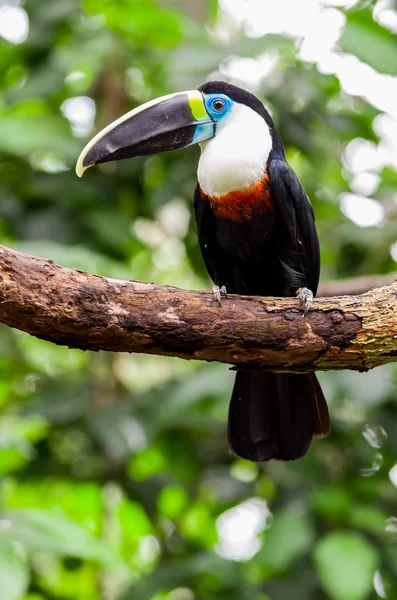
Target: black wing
x,y
295,208
204,223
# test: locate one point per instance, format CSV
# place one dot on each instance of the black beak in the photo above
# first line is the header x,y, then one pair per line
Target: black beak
x,y
167,123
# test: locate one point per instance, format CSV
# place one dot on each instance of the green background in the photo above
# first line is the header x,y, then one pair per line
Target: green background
x,y
116,481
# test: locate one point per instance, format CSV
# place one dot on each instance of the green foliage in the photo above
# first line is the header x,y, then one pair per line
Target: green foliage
x,y
289,537
346,565
14,575
39,530
116,482
370,42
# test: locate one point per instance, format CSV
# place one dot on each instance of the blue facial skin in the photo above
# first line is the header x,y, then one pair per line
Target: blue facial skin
x,y
217,107
203,132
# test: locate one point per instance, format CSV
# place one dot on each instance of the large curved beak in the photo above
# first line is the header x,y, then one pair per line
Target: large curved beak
x,y
167,123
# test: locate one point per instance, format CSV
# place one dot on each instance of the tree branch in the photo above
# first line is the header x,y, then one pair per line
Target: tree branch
x,y
79,310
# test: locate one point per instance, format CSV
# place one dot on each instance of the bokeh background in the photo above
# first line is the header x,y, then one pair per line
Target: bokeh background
x,y
116,480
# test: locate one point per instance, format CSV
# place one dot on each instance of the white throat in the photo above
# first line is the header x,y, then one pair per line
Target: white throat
x,y
236,156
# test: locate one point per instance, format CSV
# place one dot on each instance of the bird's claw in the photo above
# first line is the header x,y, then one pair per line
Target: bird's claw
x,y
305,297
219,292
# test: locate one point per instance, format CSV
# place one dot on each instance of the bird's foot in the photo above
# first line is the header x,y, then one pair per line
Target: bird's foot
x,y
305,297
219,292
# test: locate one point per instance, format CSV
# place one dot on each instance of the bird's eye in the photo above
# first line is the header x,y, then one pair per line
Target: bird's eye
x,y
218,104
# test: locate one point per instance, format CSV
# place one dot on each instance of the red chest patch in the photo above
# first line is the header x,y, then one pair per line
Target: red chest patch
x,y
242,205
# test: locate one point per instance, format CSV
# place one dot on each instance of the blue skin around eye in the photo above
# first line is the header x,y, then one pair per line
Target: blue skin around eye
x,y
217,114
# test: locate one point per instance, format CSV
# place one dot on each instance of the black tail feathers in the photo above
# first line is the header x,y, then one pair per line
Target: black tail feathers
x,y
275,415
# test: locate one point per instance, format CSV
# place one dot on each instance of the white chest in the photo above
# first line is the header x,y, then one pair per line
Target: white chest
x,y
236,156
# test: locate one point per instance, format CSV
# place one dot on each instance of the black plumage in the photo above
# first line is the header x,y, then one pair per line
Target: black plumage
x,y
260,240
273,253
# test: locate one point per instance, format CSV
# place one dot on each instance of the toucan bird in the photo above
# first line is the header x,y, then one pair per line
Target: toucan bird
x,y
257,236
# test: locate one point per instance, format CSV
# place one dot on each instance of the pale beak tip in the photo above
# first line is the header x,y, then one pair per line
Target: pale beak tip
x,y
80,168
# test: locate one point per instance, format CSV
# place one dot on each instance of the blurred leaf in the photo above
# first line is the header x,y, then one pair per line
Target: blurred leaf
x,y
289,537
21,129
14,572
370,42
331,501
16,437
141,19
345,563
47,359
134,520
53,532
367,518
79,501
73,399
196,524
147,463
76,257
171,501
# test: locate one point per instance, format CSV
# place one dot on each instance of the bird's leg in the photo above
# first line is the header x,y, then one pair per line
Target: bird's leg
x,y
305,297
219,292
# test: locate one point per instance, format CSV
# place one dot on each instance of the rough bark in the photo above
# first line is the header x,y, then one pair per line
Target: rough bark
x,y
80,310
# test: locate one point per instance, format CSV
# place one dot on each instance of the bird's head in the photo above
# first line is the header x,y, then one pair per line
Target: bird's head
x,y
235,131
